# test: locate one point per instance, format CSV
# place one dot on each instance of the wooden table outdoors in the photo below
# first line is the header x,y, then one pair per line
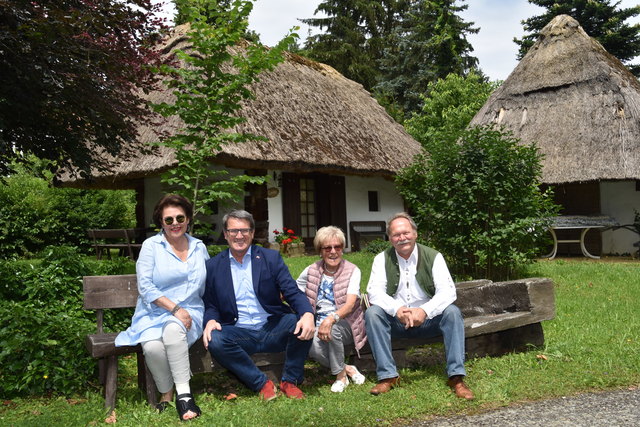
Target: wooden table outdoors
x,y
578,222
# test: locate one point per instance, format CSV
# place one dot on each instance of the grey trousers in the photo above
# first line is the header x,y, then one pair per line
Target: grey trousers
x,y
331,354
168,357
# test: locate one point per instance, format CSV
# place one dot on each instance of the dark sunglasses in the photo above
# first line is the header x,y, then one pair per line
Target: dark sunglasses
x,y
329,248
180,219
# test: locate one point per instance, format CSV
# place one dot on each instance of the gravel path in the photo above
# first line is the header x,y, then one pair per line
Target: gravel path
x,y
611,408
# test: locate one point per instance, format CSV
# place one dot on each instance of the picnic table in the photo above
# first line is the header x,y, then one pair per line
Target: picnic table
x,y
123,239
578,222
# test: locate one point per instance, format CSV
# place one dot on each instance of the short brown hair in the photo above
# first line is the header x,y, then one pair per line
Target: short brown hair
x,y
325,233
172,200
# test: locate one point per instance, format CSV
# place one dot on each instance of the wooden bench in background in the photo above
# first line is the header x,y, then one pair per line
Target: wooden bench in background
x,y
362,232
123,239
499,317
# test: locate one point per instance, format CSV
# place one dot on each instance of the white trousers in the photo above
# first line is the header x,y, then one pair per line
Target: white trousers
x,y
168,357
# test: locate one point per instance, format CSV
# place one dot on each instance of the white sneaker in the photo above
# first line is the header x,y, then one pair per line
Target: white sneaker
x,y
357,378
339,386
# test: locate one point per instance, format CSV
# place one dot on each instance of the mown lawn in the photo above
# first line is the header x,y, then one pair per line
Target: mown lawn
x,y
592,344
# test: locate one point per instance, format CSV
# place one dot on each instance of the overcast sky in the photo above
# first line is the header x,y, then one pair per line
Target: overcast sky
x,y
498,20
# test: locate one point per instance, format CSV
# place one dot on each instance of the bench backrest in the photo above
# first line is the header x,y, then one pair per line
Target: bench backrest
x,y
100,292
126,235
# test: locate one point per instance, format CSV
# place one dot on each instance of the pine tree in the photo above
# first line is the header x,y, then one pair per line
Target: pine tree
x,y
427,43
354,36
601,19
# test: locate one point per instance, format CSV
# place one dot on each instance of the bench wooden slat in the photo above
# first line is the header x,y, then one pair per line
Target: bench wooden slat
x,y
103,345
119,291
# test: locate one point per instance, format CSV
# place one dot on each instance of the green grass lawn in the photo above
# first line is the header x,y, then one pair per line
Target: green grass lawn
x,y
592,344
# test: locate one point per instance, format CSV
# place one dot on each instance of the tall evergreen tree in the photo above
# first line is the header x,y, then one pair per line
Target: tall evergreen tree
x,y
601,19
355,33
427,43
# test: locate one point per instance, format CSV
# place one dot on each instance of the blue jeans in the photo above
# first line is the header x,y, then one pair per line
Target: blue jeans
x,y
232,347
381,328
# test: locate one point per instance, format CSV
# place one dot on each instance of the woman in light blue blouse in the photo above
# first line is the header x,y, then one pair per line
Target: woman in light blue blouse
x,y
168,317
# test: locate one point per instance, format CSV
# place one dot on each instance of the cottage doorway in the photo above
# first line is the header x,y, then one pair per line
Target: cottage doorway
x,y
311,201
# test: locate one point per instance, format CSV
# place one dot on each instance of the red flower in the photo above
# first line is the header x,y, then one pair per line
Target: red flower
x,y
286,241
291,231
276,232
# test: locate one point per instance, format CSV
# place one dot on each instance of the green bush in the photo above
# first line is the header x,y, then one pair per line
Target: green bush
x,y
43,325
477,201
40,215
376,246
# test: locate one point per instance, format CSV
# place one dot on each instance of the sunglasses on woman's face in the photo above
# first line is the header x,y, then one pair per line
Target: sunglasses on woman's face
x,y
180,219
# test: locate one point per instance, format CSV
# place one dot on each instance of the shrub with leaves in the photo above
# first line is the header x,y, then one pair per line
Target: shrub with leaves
x,y
41,215
43,325
477,201
376,246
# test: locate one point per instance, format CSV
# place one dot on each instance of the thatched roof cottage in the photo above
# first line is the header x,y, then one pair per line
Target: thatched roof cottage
x,y
581,107
331,150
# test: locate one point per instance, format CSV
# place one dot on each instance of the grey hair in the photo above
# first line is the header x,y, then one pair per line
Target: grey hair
x,y
325,233
401,215
238,214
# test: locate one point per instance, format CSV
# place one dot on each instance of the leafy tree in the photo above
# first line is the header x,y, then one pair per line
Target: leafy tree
x,y
601,19
427,43
477,200
214,79
71,74
448,106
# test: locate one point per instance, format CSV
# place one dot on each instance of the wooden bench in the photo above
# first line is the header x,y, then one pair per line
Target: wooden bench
x,y
362,232
499,317
122,239
107,292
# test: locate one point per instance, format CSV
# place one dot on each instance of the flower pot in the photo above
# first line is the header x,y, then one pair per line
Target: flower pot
x,y
294,249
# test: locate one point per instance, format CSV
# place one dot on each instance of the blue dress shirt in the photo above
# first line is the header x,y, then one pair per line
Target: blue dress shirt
x,y
161,273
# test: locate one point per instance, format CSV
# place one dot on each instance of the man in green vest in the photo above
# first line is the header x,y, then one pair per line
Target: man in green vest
x,y
411,293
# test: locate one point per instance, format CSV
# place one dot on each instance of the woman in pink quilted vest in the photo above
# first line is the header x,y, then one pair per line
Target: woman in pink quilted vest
x,y
332,285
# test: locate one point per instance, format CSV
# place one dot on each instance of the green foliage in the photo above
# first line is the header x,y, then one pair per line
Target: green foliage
x,y
427,43
448,106
38,215
600,19
376,246
209,88
43,325
353,36
478,202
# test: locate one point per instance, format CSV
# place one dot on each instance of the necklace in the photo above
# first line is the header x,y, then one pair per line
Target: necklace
x,y
326,270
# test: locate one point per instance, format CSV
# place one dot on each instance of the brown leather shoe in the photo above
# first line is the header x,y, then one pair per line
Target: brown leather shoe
x,y
460,388
385,385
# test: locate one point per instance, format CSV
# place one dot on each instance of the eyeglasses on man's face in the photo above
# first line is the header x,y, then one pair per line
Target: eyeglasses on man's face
x,y
243,231
169,220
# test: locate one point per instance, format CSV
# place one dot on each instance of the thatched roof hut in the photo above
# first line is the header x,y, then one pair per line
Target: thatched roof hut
x,y
577,102
315,120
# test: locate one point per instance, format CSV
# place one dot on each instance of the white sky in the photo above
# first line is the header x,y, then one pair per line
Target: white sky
x,y
498,20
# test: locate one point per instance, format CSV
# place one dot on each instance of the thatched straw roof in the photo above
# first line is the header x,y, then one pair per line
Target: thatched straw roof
x,y
314,119
577,102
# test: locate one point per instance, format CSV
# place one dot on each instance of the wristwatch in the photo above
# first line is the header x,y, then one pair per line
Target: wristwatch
x,y
335,316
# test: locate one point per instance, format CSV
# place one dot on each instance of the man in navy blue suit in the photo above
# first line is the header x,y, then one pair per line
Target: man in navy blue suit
x,y
244,312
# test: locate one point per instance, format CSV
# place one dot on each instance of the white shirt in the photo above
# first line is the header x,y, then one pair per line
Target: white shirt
x,y
410,293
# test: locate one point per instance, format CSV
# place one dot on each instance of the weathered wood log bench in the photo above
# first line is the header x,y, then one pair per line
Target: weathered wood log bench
x,y
499,317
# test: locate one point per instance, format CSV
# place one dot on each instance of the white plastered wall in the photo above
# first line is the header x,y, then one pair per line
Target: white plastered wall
x,y
618,200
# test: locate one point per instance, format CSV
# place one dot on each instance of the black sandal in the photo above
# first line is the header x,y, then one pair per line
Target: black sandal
x,y
161,406
185,406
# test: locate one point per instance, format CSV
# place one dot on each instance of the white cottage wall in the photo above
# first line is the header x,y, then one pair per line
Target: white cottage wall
x,y
357,194
618,200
